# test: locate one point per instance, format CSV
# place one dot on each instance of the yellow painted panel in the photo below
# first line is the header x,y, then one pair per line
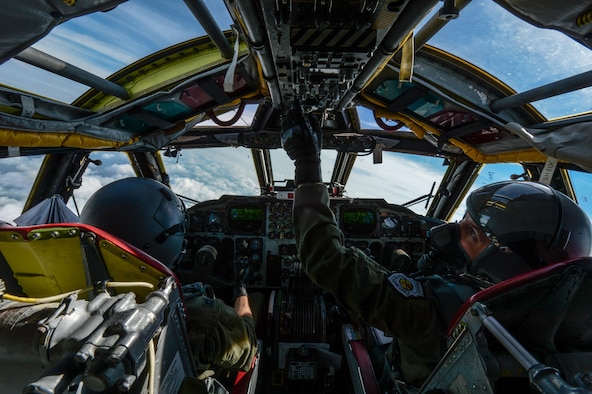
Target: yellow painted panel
x,y
10,137
125,267
46,266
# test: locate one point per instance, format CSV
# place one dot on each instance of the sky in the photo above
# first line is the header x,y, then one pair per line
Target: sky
x,y
522,56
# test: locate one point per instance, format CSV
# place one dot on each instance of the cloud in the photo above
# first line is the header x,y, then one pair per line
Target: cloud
x,y
17,175
39,81
206,174
521,55
10,209
398,179
107,41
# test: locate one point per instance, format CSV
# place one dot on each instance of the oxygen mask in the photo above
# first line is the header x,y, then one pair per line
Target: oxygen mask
x,y
444,253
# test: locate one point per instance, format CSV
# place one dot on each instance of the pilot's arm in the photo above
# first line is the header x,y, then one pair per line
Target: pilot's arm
x,y
390,301
384,299
387,300
219,334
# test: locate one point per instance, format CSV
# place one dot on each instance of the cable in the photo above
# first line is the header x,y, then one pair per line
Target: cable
x,y
151,366
230,122
385,126
44,300
59,297
130,284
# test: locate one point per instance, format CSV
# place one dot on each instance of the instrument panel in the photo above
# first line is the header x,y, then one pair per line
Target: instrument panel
x,y
257,231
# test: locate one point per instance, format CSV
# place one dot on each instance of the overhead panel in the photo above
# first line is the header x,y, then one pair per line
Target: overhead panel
x,y
319,48
453,112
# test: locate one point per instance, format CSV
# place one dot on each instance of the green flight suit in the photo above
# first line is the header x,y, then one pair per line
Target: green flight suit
x,y
219,336
400,306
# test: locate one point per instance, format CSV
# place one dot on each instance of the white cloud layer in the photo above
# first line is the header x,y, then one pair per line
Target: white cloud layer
x,y
206,174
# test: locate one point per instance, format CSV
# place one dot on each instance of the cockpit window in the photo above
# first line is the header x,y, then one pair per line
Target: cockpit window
x,y
17,175
399,179
518,52
582,185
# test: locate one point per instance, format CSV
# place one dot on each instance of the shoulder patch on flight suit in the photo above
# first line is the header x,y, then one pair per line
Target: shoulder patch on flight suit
x,y
408,287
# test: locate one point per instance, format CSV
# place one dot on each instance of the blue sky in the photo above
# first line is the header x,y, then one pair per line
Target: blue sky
x,y
522,56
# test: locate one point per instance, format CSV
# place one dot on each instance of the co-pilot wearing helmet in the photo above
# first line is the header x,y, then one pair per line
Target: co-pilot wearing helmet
x,y
509,228
148,215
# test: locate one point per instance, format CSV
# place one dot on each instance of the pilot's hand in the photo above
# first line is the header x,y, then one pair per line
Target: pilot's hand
x,y
302,141
241,277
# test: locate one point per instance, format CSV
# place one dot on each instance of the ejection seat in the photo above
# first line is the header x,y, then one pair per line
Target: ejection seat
x,y
73,297
527,334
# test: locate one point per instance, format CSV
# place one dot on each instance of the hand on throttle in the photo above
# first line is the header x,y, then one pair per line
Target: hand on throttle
x,y
302,141
241,275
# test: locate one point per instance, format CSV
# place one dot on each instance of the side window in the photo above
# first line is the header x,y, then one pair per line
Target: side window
x,y
582,184
17,175
490,173
115,165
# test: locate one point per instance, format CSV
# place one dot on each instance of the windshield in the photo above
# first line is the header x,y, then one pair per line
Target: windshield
x,y
522,56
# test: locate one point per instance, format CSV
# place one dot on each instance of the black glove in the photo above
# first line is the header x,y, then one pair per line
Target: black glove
x,y
241,275
302,140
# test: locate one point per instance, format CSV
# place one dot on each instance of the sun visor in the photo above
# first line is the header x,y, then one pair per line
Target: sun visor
x,y
26,22
571,17
570,143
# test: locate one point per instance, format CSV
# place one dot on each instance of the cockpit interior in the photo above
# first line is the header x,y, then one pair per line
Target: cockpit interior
x,y
419,103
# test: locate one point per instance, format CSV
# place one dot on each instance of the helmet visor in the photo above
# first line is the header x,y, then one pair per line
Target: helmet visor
x,y
516,211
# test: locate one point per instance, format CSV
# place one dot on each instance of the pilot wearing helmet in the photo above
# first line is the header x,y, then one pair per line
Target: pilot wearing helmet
x,y
148,215
143,212
509,228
